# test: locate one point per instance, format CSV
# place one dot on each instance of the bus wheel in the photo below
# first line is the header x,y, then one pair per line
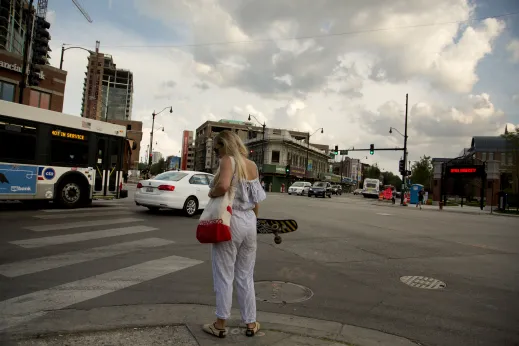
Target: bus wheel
x,y
70,194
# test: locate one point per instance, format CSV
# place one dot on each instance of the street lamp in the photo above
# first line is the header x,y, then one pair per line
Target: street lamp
x,y
404,173
308,147
63,49
263,140
152,129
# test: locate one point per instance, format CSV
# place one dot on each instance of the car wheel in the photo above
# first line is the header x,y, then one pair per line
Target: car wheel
x,y
190,206
71,193
330,195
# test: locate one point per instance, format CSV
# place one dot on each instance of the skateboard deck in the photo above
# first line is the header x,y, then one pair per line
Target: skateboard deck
x,y
276,227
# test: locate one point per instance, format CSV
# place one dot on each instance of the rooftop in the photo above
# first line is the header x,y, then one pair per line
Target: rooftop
x,y
487,144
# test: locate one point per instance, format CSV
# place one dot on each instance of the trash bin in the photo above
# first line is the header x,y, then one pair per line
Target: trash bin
x,y
441,205
503,200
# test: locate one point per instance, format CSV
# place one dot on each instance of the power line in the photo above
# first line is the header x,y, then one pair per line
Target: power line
x,y
329,35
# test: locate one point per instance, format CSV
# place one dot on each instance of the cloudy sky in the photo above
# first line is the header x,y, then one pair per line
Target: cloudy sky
x,y
344,65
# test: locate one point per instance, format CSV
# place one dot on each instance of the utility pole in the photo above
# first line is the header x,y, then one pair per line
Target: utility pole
x,y
29,21
404,173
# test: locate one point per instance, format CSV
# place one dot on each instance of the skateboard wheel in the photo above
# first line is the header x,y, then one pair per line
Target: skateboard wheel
x,y
277,239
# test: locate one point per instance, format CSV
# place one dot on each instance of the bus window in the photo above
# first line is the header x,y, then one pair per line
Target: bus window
x,y
69,149
17,141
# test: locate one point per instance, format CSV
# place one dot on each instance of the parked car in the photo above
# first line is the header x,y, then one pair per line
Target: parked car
x,y
299,188
357,192
185,190
337,189
320,188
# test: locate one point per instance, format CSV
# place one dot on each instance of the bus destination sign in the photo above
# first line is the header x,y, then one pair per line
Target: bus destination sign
x,y
63,134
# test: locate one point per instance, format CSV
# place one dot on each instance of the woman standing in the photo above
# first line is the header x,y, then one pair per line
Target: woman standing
x,y
235,259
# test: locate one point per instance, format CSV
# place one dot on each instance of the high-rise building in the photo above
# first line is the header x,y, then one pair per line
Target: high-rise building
x,y
50,88
187,163
107,90
157,155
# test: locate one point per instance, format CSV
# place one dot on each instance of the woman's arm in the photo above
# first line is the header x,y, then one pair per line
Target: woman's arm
x,y
224,181
256,209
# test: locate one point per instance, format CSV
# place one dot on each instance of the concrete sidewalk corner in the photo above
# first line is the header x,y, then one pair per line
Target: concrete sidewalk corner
x,y
180,324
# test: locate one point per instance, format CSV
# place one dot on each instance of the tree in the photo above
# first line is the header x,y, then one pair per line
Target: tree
x,y
388,178
142,166
158,167
372,172
512,148
422,172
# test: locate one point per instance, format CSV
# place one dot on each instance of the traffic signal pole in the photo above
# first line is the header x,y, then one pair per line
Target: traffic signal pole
x,y
404,173
28,38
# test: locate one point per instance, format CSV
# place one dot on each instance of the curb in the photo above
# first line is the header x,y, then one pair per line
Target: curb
x,y
193,316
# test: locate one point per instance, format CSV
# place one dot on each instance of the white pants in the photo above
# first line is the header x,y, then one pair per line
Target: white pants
x,y
234,260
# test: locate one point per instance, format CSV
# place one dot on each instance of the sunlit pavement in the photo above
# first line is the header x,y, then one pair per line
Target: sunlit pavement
x,y
435,278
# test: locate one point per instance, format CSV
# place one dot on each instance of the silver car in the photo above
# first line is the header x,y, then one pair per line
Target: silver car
x,y
299,188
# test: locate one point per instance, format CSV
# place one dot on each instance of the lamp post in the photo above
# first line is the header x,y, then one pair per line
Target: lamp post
x,y
63,49
263,140
152,129
308,148
404,173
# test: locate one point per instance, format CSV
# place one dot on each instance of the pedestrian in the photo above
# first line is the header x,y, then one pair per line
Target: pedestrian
x,y
263,185
393,196
235,259
420,199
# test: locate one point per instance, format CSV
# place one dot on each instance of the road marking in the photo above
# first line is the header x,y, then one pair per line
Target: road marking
x,y
36,265
80,215
77,237
29,306
80,209
384,214
78,224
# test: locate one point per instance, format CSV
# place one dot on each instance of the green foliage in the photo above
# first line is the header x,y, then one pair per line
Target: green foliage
x,y
422,172
388,178
158,167
142,166
372,172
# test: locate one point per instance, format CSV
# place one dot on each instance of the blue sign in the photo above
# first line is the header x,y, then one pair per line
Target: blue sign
x,y
18,180
49,173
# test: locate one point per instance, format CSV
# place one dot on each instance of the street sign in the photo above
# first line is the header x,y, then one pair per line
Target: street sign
x,y
344,152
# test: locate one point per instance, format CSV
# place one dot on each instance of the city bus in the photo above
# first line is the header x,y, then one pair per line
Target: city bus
x,y
52,156
371,188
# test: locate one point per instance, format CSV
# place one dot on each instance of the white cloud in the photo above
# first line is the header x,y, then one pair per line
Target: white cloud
x,y
513,48
353,86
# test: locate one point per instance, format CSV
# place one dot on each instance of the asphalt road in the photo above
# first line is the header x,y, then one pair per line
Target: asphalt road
x,y
349,252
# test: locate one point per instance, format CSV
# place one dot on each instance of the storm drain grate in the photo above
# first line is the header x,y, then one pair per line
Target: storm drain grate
x,y
280,292
423,282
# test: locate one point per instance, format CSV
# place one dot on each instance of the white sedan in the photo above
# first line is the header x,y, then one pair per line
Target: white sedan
x,y
186,190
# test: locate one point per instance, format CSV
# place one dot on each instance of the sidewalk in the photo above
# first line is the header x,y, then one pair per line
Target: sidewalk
x,y
180,324
450,209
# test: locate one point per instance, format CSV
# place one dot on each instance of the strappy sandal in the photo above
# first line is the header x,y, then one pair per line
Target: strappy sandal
x,y
211,329
253,331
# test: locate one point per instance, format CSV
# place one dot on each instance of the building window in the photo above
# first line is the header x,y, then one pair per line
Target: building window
x,y
275,156
6,91
39,99
490,156
483,156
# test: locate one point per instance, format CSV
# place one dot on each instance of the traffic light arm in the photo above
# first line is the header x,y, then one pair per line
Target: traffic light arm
x,y
377,149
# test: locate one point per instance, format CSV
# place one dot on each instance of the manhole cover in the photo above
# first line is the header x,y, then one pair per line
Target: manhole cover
x,y
423,282
281,292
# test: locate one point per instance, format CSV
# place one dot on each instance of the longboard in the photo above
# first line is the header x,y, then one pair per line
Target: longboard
x,y
275,226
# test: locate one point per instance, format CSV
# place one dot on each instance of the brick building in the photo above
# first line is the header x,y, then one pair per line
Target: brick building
x,y
50,92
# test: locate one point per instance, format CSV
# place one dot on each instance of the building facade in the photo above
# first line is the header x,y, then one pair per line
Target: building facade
x,y
50,92
188,151
107,90
157,156
271,150
173,163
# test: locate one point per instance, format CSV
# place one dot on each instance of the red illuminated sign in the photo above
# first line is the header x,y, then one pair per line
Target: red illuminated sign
x,y
463,170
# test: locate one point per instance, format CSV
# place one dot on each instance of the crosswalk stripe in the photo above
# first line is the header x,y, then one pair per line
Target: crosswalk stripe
x,y
80,209
80,215
29,306
52,262
77,224
77,237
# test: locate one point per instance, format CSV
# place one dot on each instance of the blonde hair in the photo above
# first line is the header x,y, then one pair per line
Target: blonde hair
x,y
232,145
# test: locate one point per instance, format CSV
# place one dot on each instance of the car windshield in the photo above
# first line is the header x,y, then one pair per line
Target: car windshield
x,y
320,185
170,176
298,184
371,185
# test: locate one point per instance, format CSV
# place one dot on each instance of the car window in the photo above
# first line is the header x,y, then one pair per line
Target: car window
x,y
199,179
319,184
210,178
170,176
298,184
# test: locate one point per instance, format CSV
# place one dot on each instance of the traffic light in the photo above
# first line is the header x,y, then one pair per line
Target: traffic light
x,y
401,166
372,149
336,151
40,49
287,170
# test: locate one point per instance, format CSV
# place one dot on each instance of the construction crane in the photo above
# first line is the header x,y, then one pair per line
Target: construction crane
x,y
82,10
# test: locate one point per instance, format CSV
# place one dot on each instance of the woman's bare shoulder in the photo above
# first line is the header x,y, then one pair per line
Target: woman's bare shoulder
x,y
252,169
